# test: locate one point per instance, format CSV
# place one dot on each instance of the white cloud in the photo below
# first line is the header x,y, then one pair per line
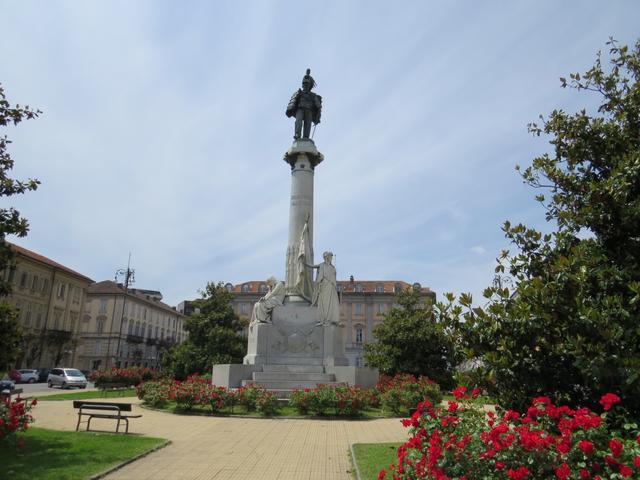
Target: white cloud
x,y
163,131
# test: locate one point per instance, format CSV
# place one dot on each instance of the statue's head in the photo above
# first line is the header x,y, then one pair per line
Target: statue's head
x,y
271,281
308,82
327,256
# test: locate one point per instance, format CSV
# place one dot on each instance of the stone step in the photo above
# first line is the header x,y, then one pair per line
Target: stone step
x,y
293,368
286,384
275,376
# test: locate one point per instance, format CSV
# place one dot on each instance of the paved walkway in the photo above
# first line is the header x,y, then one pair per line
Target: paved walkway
x,y
220,448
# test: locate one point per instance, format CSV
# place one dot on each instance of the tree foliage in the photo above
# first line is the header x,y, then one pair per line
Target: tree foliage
x,y
11,223
570,324
410,340
213,335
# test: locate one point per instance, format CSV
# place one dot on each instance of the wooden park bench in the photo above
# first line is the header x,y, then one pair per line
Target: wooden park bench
x,y
111,410
119,387
14,392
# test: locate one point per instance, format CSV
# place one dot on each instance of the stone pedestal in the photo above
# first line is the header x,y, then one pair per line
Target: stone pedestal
x,y
294,338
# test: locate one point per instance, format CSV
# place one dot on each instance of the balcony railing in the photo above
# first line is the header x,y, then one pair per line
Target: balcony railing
x,y
134,339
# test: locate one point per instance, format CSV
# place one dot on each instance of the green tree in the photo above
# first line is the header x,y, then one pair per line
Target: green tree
x,y
213,335
569,325
11,223
411,340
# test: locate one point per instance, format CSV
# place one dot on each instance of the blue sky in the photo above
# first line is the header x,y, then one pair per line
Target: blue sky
x,y
163,130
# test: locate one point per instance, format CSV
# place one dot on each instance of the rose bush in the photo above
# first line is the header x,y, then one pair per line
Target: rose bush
x,y
461,441
15,418
403,392
341,400
129,376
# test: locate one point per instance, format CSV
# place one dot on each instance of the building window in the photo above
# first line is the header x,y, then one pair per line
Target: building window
x,y
382,307
27,315
76,295
359,288
244,308
263,288
359,334
73,320
57,315
379,288
359,362
39,317
34,283
397,288
12,275
144,315
45,286
97,348
130,331
99,325
246,288
23,280
358,307
103,306
61,290
229,287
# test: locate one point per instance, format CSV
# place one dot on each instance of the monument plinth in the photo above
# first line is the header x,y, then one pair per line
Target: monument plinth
x,y
295,337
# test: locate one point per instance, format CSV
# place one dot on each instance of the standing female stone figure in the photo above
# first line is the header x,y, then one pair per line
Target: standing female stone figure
x,y
325,295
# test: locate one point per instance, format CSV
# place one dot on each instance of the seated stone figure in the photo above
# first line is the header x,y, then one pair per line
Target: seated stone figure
x,y
273,298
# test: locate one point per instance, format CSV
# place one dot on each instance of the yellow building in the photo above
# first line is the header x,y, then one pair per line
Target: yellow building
x,y
50,298
126,328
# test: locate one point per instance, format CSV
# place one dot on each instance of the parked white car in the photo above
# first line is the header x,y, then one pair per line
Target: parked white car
x,y
66,377
28,376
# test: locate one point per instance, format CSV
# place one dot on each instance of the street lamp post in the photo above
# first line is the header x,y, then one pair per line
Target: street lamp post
x,y
128,275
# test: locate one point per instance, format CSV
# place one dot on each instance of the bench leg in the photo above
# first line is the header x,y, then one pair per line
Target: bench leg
x,y
78,424
89,423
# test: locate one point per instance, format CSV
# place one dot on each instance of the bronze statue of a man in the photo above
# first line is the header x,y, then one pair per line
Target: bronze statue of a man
x,y
305,106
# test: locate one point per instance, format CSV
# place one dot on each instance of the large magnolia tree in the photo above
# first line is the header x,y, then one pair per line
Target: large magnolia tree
x,y
568,323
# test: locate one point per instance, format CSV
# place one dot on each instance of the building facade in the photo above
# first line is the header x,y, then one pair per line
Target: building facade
x,y
363,304
125,328
50,299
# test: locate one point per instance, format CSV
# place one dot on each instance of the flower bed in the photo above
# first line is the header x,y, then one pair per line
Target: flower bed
x,y
196,391
131,377
461,441
15,418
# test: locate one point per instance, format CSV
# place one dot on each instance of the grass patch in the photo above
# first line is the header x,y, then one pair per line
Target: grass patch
x,y
54,455
129,392
373,457
284,411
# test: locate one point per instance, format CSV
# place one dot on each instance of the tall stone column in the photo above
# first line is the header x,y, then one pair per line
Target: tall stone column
x,y
303,158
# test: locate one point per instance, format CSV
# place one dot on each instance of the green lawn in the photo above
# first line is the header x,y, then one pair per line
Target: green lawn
x,y
83,395
284,411
373,457
54,455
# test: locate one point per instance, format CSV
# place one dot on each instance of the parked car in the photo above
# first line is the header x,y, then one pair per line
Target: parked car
x,y
66,377
43,374
6,385
28,376
14,375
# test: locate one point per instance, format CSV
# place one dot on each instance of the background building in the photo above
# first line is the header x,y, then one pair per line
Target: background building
x,y
50,298
363,304
126,328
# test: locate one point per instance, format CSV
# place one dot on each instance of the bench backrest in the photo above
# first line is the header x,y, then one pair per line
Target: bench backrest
x,y
124,407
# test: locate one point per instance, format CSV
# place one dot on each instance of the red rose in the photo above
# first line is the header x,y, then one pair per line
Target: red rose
x,y
608,400
563,472
586,446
